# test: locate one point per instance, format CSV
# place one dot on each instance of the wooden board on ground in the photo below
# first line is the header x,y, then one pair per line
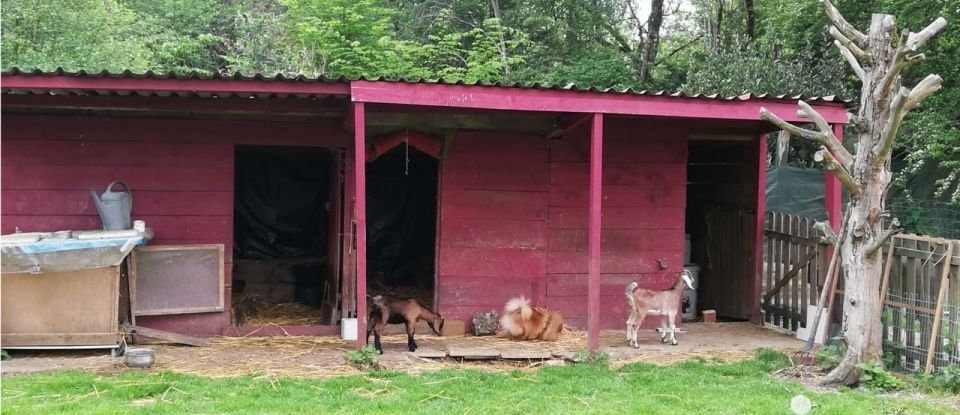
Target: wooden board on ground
x,y
525,353
165,335
473,353
430,353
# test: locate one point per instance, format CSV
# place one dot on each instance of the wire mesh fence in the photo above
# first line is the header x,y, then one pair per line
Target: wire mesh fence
x,y
927,217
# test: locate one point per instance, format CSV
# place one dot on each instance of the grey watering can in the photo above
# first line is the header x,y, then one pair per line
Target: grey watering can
x,y
114,207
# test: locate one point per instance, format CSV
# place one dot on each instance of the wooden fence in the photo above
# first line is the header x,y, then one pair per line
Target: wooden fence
x,y
921,302
921,290
795,264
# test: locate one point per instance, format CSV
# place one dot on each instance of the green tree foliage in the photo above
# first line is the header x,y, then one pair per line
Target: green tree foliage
x,y
80,34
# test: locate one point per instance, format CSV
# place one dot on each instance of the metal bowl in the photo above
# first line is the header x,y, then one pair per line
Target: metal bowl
x,y
139,357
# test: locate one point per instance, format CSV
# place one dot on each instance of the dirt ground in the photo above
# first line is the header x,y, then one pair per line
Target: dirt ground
x,y
322,356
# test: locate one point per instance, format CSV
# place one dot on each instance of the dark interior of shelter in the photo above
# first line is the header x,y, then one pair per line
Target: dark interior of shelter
x,y
280,238
720,221
401,224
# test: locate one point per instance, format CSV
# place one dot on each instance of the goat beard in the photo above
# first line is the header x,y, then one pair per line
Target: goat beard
x,y
522,322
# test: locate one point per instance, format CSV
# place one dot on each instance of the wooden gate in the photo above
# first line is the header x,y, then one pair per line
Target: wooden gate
x,y
794,269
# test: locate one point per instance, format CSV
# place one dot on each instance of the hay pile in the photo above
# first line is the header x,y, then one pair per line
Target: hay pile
x,y
254,310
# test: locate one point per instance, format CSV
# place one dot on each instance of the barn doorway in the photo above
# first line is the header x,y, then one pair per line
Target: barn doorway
x,y
720,222
402,205
282,222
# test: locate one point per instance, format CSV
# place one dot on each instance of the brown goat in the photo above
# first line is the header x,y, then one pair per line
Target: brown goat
x,y
522,322
664,303
387,310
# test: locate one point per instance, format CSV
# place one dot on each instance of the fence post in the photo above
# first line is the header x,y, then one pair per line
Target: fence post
x,y
947,260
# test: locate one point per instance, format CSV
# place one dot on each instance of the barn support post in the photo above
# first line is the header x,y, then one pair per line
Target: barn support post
x,y
593,232
360,202
758,229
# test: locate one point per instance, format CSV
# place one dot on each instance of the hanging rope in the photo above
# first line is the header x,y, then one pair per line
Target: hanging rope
x,y
406,152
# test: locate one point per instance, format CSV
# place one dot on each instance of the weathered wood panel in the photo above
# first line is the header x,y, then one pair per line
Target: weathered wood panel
x,y
612,240
491,262
122,153
174,130
487,292
625,174
481,204
566,285
147,202
616,262
73,308
663,195
493,230
172,178
493,233
618,217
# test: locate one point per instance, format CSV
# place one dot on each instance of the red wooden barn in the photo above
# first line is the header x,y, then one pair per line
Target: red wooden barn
x,y
470,193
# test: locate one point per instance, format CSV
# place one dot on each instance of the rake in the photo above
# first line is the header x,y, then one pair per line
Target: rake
x,y
829,285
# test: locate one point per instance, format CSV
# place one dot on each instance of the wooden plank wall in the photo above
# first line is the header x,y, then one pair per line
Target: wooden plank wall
x,y
644,193
493,222
514,220
180,170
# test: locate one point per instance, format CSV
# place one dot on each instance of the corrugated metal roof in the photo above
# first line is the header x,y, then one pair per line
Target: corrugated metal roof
x,y
279,78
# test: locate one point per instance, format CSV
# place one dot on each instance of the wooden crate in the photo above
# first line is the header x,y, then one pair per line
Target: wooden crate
x,y
60,309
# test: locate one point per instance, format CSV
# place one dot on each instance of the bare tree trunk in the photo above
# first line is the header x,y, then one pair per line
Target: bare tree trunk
x,y
751,19
651,44
877,58
503,46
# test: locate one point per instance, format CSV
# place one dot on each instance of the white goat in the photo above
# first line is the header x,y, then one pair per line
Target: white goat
x,y
665,303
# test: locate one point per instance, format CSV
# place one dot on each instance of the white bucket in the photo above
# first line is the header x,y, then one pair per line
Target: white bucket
x,y
804,333
688,304
348,328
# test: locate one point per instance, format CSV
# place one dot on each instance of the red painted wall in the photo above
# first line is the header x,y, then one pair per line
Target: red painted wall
x,y
514,220
180,171
513,207
493,222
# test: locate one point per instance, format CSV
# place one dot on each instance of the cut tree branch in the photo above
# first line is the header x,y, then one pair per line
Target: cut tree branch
x,y
924,89
824,156
857,122
812,114
919,39
897,111
893,71
852,60
825,136
886,235
847,43
903,102
829,236
845,27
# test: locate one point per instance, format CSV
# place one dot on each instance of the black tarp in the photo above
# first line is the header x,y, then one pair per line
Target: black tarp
x,y
280,202
401,214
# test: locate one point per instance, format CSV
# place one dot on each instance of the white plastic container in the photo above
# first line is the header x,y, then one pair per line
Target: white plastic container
x,y
804,333
348,328
688,305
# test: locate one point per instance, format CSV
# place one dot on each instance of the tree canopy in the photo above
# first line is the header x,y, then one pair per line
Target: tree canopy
x,y
724,46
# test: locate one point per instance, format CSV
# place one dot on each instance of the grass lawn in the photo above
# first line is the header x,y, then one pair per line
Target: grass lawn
x,y
690,387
